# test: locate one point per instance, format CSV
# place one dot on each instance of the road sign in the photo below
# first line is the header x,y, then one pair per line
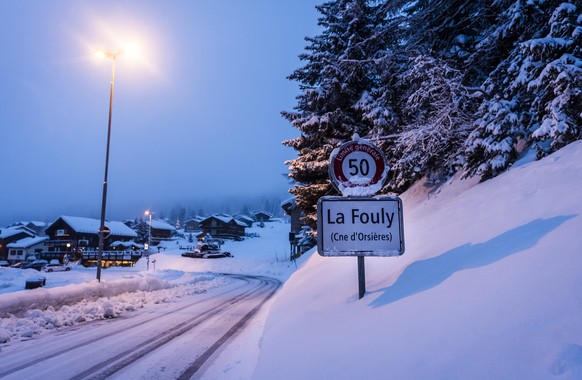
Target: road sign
x,y
358,168
106,232
360,226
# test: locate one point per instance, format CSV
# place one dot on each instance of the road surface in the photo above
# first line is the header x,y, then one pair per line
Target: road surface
x,y
173,340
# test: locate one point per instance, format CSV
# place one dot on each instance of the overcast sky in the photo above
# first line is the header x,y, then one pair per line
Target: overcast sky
x,y
196,115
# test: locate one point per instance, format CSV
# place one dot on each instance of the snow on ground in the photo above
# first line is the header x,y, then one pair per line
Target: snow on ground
x,y
488,288
75,296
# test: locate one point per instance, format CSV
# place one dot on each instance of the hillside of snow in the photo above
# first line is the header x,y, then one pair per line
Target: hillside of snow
x,y
488,288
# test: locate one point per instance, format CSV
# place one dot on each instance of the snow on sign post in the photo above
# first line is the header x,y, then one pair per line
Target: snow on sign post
x,y
359,223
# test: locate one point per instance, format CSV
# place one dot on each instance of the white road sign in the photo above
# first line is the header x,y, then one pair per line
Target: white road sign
x,y
358,226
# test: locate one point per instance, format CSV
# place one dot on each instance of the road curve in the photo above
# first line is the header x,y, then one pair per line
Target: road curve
x,y
171,341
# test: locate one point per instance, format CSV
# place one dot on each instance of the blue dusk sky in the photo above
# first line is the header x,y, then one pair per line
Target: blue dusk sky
x,y
196,108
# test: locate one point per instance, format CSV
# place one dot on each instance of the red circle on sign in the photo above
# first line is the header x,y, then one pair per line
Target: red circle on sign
x,y
360,157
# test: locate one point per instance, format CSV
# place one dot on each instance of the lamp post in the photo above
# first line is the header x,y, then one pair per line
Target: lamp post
x,y
113,56
149,213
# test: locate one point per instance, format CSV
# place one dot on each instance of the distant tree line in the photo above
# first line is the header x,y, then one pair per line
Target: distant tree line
x,y
442,86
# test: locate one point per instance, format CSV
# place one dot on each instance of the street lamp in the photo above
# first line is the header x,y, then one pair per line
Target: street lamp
x,y
113,56
149,213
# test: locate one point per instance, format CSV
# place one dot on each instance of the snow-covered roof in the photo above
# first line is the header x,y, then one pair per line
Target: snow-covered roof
x,y
290,202
91,226
126,244
196,219
37,223
159,224
245,218
27,242
11,231
226,219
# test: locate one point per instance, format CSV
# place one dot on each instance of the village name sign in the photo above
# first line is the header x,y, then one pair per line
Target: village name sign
x,y
352,226
359,223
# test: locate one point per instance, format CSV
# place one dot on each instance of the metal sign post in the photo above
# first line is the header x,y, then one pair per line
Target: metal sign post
x,y
359,223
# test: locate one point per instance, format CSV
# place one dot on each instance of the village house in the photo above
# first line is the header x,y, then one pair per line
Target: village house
x,y
192,225
34,226
78,238
245,219
223,226
10,235
261,216
27,249
160,230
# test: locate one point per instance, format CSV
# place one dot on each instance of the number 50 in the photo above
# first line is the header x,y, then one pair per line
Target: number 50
x,y
362,168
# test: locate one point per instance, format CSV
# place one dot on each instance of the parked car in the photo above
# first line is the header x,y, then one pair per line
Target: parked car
x,y
4,263
37,264
56,268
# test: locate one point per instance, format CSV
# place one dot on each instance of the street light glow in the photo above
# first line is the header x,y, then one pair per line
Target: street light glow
x,y
103,54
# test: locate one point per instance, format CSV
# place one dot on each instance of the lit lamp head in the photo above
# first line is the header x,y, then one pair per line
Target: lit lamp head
x,y
103,54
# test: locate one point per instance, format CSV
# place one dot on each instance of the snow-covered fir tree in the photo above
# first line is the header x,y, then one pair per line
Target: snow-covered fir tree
x,y
439,85
436,116
534,95
333,81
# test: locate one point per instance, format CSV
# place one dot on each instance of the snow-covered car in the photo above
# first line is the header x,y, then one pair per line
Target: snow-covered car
x,y
4,263
37,264
56,268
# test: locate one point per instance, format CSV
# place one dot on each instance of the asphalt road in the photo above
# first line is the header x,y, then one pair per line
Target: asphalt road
x,y
174,340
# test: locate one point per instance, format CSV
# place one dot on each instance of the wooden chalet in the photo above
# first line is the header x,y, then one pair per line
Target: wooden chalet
x,y
10,235
161,230
245,219
261,216
78,238
192,225
223,226
27,249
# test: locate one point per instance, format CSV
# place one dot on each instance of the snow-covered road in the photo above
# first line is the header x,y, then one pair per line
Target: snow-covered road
x,y
169,340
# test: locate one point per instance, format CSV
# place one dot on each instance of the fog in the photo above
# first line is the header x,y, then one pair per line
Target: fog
x,y
195,115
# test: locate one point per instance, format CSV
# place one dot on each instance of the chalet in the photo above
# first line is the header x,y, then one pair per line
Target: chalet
x,y
78,238
261,216
126,246
223,226
192,225
10,235
160,230
29,248
34,226
245,219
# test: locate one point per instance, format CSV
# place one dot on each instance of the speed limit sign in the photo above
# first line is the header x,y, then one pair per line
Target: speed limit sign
x,y
358,168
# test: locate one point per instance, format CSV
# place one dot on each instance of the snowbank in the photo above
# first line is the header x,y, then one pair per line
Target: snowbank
x,y
489,288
